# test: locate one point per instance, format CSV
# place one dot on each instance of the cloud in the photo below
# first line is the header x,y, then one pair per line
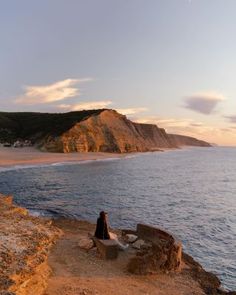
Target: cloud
x,y
131,111
231,119
183,126
168,123
99,105
204,103
86,105
196,124
227,129
50,93
190,127
173,123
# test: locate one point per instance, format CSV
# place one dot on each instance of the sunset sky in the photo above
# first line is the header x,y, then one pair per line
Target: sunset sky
x,y
169,62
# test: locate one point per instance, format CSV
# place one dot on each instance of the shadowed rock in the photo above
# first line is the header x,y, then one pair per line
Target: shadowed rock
x,y
160,252
88,131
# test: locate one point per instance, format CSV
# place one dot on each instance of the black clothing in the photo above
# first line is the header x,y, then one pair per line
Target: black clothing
x,y
102,229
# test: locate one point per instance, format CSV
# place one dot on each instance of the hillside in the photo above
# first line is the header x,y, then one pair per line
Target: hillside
x,y
88,131
182,140
35,126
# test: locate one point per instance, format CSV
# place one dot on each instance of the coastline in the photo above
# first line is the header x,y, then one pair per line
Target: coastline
x,y
76,162
54,257
47,257
30,156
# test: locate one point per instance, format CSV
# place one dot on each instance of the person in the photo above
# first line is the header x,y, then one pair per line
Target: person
x,y
102,227
103,233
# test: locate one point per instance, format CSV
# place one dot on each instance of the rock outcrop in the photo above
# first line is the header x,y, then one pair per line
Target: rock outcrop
x,y
109,131
161,252
24,265
24,245
88,131
158,252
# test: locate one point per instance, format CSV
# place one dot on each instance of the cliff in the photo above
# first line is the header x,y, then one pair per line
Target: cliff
x,y
24,245
88,131
73,266
109,132
36,126
182,140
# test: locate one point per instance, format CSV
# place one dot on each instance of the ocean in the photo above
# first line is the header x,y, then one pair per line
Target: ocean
x,y
190,192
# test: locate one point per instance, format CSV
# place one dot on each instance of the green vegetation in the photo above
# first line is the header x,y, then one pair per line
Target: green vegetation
x,y
35,126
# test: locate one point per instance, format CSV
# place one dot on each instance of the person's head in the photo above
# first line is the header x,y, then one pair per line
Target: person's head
x,y
103,215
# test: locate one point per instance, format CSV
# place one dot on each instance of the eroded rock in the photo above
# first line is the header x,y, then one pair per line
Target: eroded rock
x,y
130,238
158,251
109,131
85,243
24,245
138,244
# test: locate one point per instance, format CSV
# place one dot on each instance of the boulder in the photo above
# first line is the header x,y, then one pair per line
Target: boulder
x,y
153,258
138,244
85,243
130,238
158,251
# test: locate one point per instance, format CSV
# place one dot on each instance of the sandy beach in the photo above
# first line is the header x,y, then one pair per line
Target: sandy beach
x,y
31,156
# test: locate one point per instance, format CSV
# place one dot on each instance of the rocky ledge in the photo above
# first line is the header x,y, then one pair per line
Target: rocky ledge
x,y
24,245
161,252
25,242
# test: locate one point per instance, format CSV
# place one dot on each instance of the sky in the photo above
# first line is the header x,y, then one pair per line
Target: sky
x,y
167,62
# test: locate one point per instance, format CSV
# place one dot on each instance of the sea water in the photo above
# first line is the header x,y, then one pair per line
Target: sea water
x,y
190,192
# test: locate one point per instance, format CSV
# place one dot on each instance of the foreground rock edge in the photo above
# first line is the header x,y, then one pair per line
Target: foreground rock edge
x,y
25,242
25,245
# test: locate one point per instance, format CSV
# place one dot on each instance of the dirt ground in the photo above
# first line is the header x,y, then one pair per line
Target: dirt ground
x,y
76,271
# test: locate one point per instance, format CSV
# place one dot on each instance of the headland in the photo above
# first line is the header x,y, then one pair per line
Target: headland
x,y
102,130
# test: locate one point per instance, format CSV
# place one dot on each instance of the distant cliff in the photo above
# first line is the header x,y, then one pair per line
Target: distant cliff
x,y
88,131
182,140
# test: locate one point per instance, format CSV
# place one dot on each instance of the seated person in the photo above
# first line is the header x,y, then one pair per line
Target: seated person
x,y
103,233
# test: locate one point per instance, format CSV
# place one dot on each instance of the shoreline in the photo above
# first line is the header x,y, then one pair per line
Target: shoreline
x,y
51,257
30,156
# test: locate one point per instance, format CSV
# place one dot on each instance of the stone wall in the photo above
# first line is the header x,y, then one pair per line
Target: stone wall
x,y
161,252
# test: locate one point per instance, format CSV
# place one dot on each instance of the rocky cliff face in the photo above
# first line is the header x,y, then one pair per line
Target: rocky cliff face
x,y
161,252
88,131
181,140
24,245
25,266
109,131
